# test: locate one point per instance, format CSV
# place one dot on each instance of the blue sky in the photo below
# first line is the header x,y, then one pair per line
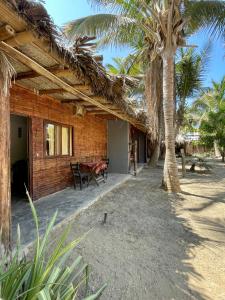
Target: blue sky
x,y
66,10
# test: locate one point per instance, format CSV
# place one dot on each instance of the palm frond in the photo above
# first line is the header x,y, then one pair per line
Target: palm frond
x,y
100,25
208,15
7,72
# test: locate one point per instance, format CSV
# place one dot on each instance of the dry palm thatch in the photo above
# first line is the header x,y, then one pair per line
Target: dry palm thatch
x,y
7,72
78,57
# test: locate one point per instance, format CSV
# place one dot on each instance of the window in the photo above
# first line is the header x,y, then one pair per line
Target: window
x,y
58,140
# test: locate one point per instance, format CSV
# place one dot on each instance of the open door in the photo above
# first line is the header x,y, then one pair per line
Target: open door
x,y
19,156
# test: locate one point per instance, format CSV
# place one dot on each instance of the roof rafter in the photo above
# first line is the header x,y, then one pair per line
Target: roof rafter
x,y
16,54
61,90
56,70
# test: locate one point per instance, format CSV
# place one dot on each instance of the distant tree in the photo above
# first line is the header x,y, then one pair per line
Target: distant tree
x,y
190,67
160,25
213,129
146,95
212,101
129,67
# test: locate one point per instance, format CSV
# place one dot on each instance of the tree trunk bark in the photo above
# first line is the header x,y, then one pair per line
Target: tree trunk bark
x,y
155,155
216,149
156,151
153,94
5,193
223,154
171,178
179,118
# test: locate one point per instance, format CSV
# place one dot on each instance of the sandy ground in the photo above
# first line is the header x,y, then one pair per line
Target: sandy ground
x,y
155,245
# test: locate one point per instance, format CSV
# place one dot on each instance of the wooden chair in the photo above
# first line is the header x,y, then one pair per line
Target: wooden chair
x,y
77,173
105,172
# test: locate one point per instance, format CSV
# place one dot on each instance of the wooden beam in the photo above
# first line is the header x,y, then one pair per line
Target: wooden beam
x,y
6,32
97,112
93,109
76,101
60,90
56,70
68,101
88,105
51,91
16,54
5,196
21,38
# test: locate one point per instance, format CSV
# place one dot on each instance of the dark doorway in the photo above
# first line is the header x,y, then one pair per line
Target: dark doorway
x,y
19,155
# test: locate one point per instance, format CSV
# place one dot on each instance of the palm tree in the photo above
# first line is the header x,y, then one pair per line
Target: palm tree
x,y
128,67
190,68
148,96
6,73
213,129
211,101
159,26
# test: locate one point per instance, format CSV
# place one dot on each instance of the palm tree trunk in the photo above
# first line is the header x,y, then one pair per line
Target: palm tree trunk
x,y
216,149
180,117
5,195
157,147
153,94
171,179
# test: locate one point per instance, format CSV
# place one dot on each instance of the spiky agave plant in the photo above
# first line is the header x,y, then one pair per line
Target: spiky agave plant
x,y
46,275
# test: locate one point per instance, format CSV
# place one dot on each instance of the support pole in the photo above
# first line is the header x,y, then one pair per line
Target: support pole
x,y
5,193
6,73
135,158
183,162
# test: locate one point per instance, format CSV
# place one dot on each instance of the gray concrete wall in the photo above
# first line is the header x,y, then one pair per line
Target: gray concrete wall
x,y
118,146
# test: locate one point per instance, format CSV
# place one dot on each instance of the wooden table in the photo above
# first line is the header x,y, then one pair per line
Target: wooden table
x,y
95,169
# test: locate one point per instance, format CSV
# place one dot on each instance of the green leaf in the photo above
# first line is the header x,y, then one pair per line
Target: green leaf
x,y
97,294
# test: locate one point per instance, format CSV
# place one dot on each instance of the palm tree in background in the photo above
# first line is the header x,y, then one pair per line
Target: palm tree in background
x,y
191,68
127,67
147,96
211,101
159,26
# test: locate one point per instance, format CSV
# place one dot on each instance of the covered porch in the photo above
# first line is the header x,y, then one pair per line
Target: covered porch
x,y
60,102
68,203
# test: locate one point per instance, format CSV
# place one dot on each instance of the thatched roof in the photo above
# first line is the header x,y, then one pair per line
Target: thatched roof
x,y
82,62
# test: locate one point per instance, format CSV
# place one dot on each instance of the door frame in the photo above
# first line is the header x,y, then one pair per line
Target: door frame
x,y
29,149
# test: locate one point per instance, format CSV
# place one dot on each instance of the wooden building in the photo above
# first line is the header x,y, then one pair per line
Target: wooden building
x,y
57,109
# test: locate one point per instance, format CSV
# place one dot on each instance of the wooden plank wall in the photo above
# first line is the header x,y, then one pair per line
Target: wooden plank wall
x,y
50,175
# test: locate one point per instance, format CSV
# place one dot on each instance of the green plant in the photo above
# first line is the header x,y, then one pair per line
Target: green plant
x,y
191,67
162,28
45,276
212,129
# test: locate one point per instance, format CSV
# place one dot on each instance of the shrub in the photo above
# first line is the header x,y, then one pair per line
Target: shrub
x,y
44,277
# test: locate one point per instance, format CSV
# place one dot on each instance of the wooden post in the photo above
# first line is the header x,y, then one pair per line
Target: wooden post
x,y
135,158
6,72
5,193
183,162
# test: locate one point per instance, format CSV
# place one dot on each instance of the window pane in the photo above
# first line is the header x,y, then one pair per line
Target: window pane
x,y
65,141
58,139
50,139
